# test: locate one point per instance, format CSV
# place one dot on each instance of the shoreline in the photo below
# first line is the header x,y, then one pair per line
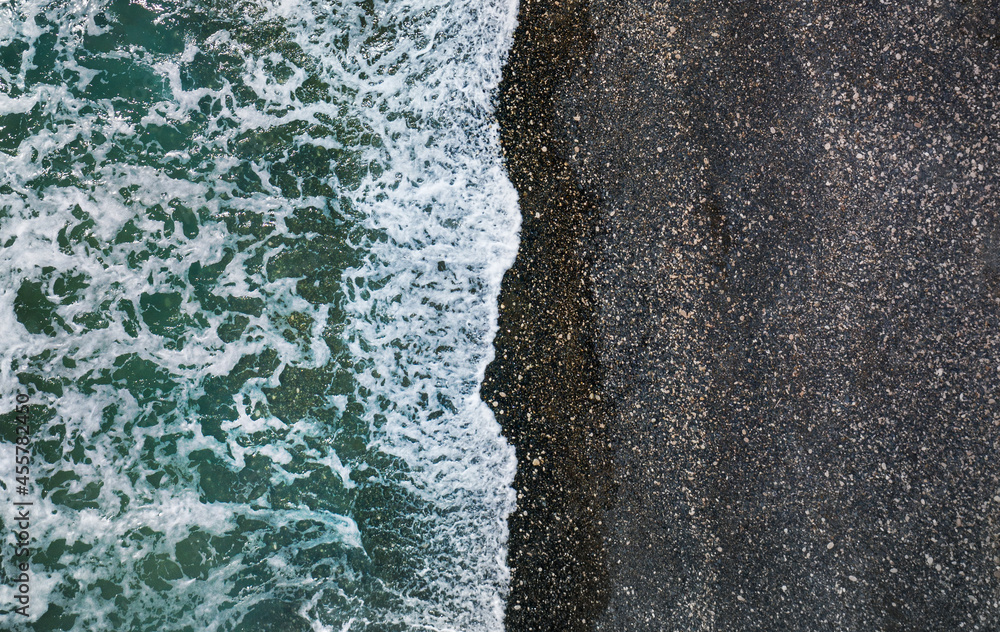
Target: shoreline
x,y
544,382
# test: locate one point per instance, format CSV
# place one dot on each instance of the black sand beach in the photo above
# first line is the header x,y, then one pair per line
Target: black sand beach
x,y
749,354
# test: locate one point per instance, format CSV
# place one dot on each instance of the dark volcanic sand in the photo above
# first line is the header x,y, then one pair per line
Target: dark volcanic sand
x,y
766,235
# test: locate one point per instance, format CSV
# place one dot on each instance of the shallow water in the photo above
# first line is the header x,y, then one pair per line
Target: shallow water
x,y
248,277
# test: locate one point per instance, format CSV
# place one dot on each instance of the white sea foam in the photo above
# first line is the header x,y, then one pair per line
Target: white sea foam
x,y
401,89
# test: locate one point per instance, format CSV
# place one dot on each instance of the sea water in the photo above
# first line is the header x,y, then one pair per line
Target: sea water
x,y
250,253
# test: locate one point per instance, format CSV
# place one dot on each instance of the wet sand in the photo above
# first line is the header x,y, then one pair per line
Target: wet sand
x,y
544,384
750,350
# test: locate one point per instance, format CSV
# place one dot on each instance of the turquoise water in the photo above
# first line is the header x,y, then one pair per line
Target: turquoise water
x,y
249,259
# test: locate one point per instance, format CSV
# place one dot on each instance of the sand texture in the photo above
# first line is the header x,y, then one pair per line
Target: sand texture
x,y
759,296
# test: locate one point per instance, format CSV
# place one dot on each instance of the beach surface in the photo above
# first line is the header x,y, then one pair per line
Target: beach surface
x,y
749,354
